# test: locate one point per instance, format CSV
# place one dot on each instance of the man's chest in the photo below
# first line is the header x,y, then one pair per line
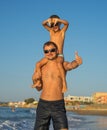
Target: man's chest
x,y
50,70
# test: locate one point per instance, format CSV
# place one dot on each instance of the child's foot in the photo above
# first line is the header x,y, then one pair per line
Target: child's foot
x,y
36,84
36,76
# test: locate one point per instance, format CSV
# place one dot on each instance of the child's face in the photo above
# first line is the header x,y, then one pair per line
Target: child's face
x,y
56,28
55,24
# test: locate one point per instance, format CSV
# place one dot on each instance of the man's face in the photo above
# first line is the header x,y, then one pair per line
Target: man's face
x,y
50,52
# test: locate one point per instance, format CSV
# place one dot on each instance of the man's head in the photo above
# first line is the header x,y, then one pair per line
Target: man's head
x,y
50,50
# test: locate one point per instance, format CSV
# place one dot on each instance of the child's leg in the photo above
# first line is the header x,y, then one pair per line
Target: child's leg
x,y
60,61
39,64
36,80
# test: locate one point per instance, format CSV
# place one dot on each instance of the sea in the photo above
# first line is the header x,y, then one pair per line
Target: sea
x,y
24,119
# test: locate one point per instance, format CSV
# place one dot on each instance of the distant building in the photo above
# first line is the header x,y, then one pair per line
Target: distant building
x,y
78,98
100,97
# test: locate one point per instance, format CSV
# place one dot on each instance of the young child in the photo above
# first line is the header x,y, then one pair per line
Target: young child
x,y
57,35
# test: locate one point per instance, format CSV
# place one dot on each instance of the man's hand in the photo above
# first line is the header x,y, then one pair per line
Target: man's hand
x,y
78,58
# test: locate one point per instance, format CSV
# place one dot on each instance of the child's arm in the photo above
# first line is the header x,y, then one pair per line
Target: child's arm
x,y
61,21
47,23
39,64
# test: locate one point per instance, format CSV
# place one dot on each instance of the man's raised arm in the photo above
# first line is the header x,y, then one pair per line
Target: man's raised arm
x,y
74,64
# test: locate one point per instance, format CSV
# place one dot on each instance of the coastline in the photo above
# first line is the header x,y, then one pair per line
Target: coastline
x,y
24,119
95,109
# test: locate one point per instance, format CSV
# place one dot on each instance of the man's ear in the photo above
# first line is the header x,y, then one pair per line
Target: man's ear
x,y
57,51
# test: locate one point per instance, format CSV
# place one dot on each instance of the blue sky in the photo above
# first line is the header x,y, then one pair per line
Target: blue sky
x,y
22,37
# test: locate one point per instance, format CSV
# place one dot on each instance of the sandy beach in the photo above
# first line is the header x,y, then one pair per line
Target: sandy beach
x,y
95,109
90,112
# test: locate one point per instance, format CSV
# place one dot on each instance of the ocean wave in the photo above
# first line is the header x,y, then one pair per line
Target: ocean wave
x,y
24,119
17,125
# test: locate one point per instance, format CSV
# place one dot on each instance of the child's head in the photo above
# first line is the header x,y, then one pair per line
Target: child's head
x,y
54,16
53,24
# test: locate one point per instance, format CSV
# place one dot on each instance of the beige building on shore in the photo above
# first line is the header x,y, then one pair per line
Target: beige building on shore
x,y
100,97
78,98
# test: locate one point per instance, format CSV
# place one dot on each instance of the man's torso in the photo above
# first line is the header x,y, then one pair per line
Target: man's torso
x,y
52,82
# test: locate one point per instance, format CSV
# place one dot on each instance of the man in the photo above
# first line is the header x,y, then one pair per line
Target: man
x,y
51,104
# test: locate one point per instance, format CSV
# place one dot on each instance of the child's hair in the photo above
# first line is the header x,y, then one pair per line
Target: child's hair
x,y
54,16
50,43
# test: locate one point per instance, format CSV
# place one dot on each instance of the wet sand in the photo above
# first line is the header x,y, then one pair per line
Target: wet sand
x,y
90,112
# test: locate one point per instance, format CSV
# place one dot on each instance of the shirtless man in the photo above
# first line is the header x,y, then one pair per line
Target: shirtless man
x,y
57,35
51,104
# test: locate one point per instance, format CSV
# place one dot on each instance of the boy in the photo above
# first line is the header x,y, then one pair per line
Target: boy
x,y
57,35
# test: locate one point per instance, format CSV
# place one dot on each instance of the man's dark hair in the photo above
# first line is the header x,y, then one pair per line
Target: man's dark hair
x,y
50,43
54,16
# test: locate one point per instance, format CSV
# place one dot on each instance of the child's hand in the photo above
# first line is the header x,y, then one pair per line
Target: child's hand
x,y
49,21
55,20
